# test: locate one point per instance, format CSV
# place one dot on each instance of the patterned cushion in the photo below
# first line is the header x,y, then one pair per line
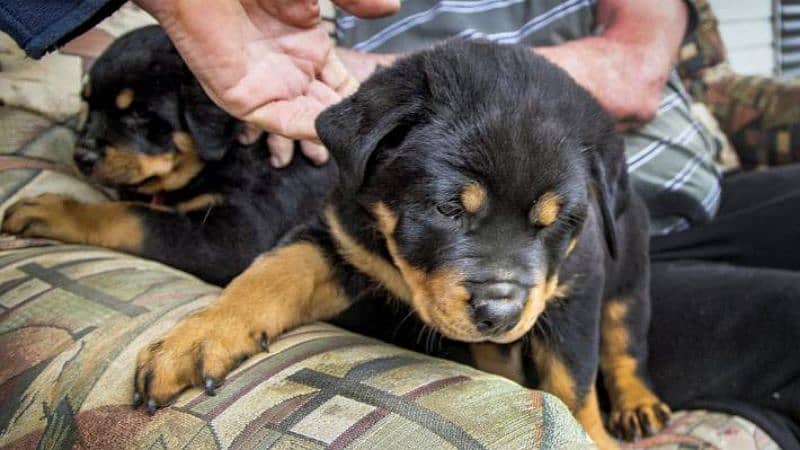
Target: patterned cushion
x,y
72,319
36,157
703,48
695,430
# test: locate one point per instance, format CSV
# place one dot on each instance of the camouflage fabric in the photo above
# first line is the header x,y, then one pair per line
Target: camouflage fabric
x,y
703,48
759,115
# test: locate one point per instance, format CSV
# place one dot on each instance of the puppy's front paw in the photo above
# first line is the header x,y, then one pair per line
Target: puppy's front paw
x,y
200,351
51,216
639,420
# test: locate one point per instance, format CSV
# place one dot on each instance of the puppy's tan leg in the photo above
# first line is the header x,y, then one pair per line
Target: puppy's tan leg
x,y
557,378
54,216
635,410
281,290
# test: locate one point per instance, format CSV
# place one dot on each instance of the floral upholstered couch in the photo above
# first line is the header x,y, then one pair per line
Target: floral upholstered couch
x,y
72,319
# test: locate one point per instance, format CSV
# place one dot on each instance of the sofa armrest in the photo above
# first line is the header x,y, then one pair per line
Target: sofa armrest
x,y
73,318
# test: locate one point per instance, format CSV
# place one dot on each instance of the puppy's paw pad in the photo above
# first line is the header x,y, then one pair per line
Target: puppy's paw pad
x,y
40,216
639,421
192,354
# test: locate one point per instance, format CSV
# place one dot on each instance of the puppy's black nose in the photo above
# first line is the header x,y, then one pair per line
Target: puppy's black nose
x,y
86,159
497,307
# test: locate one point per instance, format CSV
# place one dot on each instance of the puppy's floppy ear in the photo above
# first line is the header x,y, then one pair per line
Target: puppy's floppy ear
x,y
383,109
213,130
606,168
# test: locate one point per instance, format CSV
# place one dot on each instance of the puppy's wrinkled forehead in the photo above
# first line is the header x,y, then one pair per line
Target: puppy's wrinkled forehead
x,y
133,68
502,155
470,107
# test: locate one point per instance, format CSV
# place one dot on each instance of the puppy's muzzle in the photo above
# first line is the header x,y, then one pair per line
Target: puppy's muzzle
x,y
496,307
87,155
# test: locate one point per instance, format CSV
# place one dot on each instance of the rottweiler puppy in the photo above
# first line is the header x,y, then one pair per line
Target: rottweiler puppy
x,y
194,195
481,186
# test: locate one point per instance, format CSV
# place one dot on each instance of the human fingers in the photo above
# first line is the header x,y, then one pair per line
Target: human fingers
x,y
281,150
337,77
294,118
298,13
369,9
317,153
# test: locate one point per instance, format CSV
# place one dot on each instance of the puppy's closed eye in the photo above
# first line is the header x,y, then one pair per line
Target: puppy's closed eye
x,y
451,209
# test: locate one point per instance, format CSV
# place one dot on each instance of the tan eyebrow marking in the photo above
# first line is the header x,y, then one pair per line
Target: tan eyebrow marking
x,y
545,211
473,197
124,98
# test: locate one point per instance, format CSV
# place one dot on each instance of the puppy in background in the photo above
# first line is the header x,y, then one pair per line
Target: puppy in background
x,y
194,193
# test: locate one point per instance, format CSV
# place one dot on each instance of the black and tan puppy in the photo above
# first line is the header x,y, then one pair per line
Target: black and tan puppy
x,y
481,186
196,197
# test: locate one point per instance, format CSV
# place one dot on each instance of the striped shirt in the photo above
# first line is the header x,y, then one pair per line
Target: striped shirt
x,y
671,159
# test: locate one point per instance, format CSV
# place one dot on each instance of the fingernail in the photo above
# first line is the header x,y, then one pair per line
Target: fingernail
x,y
137,400
322,158
151,407
276,161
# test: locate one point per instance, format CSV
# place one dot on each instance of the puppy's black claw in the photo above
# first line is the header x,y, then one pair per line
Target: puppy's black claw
x,y
626,427
137,400
264,342
663,413
644,421
151,407
210,386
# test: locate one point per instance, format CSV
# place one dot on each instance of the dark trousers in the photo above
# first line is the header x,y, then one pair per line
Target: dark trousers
x,y
725,327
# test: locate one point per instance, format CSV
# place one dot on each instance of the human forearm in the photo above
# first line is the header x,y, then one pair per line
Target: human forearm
x,y
627,65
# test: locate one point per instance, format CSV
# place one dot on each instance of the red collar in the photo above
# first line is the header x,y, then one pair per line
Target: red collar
x,y
158,199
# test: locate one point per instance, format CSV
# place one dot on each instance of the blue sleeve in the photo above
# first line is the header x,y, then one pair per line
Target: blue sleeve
x,y
39,26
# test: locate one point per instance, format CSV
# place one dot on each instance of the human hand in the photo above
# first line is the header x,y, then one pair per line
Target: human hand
x,y
360,65
281,150
267,62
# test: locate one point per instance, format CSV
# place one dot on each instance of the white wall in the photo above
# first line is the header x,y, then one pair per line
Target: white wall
x,y
746,28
